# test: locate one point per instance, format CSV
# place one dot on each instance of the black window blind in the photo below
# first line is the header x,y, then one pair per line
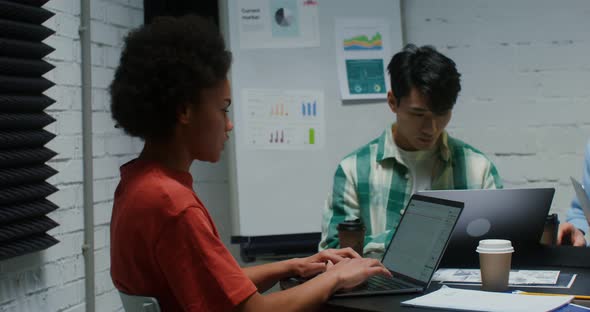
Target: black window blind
x,y
23,155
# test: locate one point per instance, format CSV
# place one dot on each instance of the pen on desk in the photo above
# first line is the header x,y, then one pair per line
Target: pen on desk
x,y
520,292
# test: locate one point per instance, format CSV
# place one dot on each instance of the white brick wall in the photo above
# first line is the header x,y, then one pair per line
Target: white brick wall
x,y
53,280
524,102
525,98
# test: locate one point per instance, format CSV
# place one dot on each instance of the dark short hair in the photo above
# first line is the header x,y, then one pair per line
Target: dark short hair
x,y
434,75
163,66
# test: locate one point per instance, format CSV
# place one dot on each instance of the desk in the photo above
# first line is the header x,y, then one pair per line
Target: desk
x,y
578,261
390,303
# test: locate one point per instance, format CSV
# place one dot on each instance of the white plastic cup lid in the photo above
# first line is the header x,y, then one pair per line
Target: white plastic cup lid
x,y
495,246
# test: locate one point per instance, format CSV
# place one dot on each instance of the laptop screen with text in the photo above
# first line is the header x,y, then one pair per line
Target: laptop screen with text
x,y
421,238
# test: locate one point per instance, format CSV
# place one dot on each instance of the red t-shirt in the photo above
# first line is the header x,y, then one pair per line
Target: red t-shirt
x,y
165,245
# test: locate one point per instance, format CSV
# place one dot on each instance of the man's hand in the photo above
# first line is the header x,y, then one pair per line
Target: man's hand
x,y
569,234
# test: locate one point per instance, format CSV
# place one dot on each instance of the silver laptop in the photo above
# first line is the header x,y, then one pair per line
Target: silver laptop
x,y
415,249
582,198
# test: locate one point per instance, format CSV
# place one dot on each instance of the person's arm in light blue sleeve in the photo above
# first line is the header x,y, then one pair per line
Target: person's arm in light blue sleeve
x,y
575,215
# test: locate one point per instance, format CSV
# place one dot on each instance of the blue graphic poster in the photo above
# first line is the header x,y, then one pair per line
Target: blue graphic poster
x,y
366,76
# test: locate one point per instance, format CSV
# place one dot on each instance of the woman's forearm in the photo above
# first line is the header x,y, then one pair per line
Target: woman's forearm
x,y
267,275
305,297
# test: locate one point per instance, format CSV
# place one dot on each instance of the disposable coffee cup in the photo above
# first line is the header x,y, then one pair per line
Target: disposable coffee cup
x,y
351,233
495,256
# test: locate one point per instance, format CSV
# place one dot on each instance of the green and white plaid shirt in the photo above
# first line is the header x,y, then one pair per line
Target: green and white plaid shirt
x,y
374,184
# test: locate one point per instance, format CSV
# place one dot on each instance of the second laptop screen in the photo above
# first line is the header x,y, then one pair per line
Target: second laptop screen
x,y
420,239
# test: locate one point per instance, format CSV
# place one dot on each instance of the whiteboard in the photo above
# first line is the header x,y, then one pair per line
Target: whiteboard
x,y
283,191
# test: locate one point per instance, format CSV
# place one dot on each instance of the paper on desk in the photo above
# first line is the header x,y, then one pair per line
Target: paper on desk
x,y
573,308
474,300
517,277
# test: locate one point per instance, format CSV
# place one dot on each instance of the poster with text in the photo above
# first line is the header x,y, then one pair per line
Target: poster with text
x,y
278,23
284,119
363,50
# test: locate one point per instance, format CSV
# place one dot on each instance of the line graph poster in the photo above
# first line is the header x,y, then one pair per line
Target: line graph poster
x,y
278,23
363,49
284,119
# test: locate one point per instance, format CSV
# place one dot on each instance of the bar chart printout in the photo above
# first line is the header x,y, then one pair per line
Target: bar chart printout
x,y
283,119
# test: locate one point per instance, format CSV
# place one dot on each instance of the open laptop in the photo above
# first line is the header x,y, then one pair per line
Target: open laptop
x,y
582,197
415,249
514,214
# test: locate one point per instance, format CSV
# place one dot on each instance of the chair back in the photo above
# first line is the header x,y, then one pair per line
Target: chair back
x,y
139,303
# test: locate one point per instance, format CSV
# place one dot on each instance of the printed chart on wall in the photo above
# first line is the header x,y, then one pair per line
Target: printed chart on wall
x,y
284,119
363,48
278,23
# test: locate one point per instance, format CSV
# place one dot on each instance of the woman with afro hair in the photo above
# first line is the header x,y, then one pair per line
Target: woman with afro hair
x,y
171,90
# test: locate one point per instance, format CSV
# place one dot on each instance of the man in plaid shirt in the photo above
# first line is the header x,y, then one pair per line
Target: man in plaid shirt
x,y
375,182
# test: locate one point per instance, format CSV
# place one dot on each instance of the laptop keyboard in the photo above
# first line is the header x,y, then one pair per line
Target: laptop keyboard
x,y
379,282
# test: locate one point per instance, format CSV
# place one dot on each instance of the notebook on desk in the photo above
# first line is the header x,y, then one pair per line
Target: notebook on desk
x,y
474,300
415,249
